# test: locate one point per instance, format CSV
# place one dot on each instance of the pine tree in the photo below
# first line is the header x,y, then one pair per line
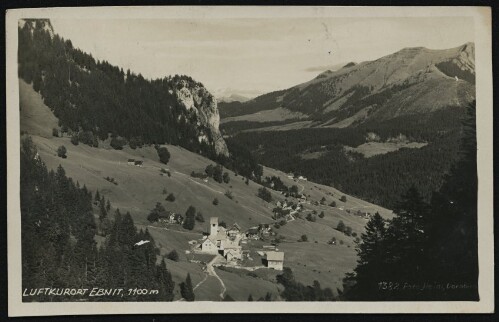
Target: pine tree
x,y
407,234
165,281
190,220
371,262
186,289
453,241
97,196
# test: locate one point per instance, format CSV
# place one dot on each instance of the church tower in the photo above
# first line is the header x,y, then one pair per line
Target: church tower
x,y
213,226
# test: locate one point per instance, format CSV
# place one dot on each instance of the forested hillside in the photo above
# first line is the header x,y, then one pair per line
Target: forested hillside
x,y
429,250
94,99
379,179
59,246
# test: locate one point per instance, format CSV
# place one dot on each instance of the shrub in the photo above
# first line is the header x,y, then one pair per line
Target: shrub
x,y
303,238
173,255
170,197
332,241
88,138
226,177
215,201
310,217
343,198
341,226
55,132
229,194
61,152
74,140
277,226
333,204
264,194
321,215
164,154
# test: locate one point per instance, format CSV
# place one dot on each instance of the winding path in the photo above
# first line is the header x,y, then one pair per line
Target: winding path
x,y
211,271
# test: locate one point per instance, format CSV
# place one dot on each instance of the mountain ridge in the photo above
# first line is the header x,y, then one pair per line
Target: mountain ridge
x,y
86,95
370,88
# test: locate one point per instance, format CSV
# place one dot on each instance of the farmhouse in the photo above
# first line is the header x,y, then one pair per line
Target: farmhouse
x,y
131,162
171,218
209,246
234,230
275,260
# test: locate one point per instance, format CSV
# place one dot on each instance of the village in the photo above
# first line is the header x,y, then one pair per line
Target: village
x,y
231,246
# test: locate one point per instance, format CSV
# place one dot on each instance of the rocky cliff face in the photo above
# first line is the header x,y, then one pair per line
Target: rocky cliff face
x,y
194,97
41,24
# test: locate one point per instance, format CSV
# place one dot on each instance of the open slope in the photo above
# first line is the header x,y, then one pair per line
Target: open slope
x,y
139,188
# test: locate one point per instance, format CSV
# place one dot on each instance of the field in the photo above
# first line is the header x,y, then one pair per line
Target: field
x,y
370,149
138,189
277,114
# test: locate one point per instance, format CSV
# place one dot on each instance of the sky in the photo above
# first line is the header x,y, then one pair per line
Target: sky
x,y
255,56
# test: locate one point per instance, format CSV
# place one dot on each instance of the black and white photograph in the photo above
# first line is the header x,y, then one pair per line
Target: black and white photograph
x,y
163,156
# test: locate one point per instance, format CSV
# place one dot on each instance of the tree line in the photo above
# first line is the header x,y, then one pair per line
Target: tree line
x,y
59,248
379,179
429,250
95,100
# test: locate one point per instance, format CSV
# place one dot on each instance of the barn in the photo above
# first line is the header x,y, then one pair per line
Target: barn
x,y
275,260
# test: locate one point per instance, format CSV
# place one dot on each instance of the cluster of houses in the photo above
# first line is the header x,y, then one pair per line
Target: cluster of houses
x,y
137,163
261,231
227,242
294,176
363,214
171,218
223,241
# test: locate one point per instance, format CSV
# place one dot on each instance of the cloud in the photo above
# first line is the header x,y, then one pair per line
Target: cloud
x,y
324,68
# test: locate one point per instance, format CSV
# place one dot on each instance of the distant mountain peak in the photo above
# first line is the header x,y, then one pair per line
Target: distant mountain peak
x,y
350,64
413,80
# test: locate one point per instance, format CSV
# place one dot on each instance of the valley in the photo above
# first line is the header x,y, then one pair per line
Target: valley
x,y
315,192
138,189
416,93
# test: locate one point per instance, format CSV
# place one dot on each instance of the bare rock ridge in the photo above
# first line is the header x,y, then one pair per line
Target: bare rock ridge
x,y
203,103
41,24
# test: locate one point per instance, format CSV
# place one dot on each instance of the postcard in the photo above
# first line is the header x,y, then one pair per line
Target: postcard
x,y
172,159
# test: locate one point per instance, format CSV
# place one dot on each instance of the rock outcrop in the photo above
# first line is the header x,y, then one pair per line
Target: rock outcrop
x,y
195,97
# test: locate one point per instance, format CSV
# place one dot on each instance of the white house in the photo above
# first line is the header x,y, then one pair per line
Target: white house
x,y
275,260
209,246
